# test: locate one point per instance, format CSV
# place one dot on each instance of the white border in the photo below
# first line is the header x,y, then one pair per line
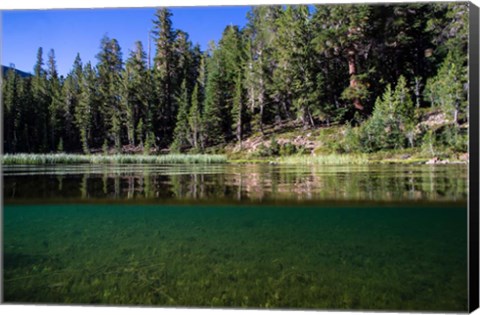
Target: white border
x,y
50,4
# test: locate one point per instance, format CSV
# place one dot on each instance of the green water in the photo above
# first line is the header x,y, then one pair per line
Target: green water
x,y
130,245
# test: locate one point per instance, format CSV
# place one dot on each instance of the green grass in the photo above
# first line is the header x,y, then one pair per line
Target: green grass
x,y
62,158
384,157
330,159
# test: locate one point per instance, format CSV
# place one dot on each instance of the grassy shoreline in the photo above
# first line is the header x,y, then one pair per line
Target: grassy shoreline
x,y
326,159
63,158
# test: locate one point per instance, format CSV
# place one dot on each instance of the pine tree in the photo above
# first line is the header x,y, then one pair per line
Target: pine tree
x,y
140,131
28,134
231,56
40,102
86,110
71,97
202,73
446,90
195,118
111,118
184,62
342,30
297,73
11,110
136,88
181,139
128,105
214,103
264,94
200,99
137,95
238,109
393,120
406,110
56,110
164,76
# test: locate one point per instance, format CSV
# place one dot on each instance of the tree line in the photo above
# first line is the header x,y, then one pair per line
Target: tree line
x,y
371,67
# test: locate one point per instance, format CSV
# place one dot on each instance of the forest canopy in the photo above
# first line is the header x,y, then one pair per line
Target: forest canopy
x,y
378,70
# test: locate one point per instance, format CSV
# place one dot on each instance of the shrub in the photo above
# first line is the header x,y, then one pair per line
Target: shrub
x,y
288,149
262,151
392,122
149,143
60,146
274,147
429,142
453,137
351,141
105,147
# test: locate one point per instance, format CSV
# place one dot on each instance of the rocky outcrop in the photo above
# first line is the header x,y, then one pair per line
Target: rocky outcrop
x,y
437,161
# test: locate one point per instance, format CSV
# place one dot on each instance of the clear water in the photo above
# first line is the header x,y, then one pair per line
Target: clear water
x,y
376,238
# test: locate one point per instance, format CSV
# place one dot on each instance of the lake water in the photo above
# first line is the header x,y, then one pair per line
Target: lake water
x,y
258,236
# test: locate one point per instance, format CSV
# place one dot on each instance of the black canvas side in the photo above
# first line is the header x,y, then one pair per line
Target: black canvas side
x,y
474,160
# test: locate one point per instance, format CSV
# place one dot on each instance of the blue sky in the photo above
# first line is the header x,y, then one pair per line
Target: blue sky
x,y
72,31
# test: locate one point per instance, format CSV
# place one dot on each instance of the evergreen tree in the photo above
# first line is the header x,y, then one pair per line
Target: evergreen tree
x,y
11,108
230,56
69,99
446,90
128,105
28,133
181,133
41,100
87,108
195,118
202,73
264,92
164,76
238,109
71,96
110,118
56,110
184,62
342,31
393,120
214,103
136,89
295,56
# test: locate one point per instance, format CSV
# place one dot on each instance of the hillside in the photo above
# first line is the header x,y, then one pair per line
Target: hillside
x,y
291,140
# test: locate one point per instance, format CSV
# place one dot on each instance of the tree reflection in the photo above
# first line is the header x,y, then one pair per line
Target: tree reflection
x,y
244,182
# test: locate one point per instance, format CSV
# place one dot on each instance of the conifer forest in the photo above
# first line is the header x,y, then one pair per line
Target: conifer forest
x,y
387,77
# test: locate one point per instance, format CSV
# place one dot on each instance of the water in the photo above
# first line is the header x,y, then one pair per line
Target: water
x,y
260,236
235,183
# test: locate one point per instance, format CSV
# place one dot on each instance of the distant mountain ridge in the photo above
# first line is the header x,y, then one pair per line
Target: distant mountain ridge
x,y
22,74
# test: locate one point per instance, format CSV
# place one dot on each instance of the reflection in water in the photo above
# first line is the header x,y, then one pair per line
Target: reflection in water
x,y
237,182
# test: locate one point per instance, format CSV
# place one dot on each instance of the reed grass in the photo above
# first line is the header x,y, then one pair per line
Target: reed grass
x,y
329,159
62,158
